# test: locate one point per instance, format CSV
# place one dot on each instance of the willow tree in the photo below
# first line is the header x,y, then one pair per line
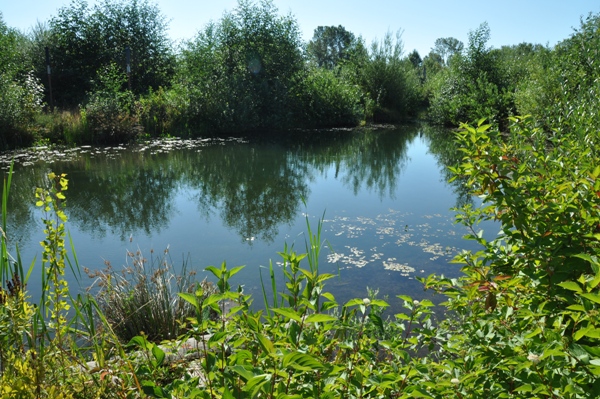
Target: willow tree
x,y
239,72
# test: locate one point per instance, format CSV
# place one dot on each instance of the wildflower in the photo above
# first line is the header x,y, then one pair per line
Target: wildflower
x,y
535,359
455,381
416,303
367,301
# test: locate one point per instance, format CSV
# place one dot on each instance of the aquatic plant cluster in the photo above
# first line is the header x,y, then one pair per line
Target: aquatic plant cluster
x,y
522,320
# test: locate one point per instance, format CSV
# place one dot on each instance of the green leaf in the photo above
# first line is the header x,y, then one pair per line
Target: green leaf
x,y
215,271
242,371
579,308
592,297
289,313
593,333
139,341
150,388
571,286
190,298
227,394
536,332
302,361
354,302
320,318
580,333
158,354
235,270
255,383
265,343
592,350
378,322
379,302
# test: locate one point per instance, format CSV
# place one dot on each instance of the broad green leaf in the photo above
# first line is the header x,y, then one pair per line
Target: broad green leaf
x,y
243,372
289,313
592,297
593,333
158,354
215,271
255,383
354,302
320,318
592,350
139,341
524,388
380,303
227,394
405,297
191,298
536,332
571,286
235,270
301,361
579,308
150,388
265,343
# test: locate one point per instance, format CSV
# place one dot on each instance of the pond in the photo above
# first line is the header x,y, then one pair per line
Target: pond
x,y
382,195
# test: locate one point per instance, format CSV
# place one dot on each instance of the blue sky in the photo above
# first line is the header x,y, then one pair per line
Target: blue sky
x,y
421,21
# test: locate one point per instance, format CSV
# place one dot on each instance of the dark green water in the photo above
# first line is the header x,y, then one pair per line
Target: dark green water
x,y
382,193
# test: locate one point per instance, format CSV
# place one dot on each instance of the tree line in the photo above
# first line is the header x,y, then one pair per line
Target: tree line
x,y
113,75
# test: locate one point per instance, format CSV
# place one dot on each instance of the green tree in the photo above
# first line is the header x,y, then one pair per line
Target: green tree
x,y
330,45
20,91
85,39
388,79
565,82
239,72
474,85
415,59
446,47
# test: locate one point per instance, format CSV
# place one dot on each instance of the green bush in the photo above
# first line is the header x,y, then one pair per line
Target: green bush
x,y
108,111
21,104
161,112
328,100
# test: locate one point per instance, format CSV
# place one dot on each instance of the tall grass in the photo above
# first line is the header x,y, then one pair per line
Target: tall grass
x,y
142,297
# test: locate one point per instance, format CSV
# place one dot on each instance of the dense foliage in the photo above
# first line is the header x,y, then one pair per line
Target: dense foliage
x,y
20,91
83,40
241,71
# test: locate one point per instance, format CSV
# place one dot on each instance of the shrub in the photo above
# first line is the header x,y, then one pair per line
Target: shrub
x,y
162,112
329,100
21,103
109,109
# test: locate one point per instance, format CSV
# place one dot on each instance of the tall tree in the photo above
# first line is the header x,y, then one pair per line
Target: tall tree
x,y
330,45
239,72
415,59
20,92
84,40
446,47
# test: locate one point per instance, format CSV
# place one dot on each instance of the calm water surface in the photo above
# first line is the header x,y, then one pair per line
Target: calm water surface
x,y
382,194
